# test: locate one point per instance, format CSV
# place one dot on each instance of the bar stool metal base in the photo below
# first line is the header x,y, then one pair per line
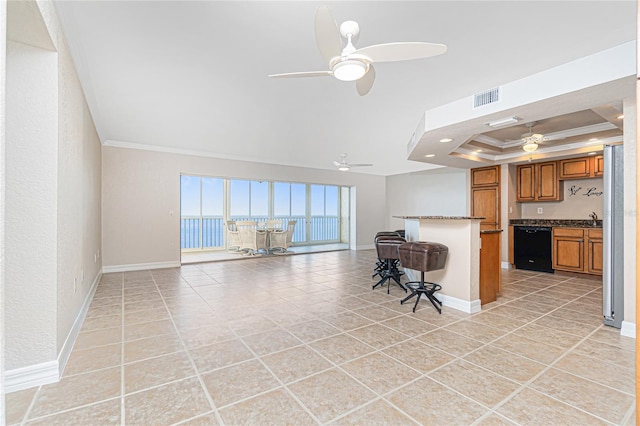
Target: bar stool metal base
x,y
418,288
390,272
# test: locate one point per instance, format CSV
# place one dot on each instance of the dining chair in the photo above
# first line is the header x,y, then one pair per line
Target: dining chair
x,y
251,238
291,226
234,242
274,224
278,241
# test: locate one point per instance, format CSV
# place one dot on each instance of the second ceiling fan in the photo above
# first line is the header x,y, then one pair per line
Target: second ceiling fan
x,y
351,64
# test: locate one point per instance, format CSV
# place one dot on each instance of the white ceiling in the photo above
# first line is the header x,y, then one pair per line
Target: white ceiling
x,y
192,76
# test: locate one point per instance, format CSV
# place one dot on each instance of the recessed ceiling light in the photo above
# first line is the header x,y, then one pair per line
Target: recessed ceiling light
x,y
591,153
430,155
445,140
620,117
478,150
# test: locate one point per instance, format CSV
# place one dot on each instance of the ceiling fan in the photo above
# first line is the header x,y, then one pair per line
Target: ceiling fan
x,y
343,166
530,140
351,64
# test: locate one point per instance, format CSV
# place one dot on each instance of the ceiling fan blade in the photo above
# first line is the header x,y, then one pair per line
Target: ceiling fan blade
x,y
335,163
360,165
402,51
328,36
365,84
303,74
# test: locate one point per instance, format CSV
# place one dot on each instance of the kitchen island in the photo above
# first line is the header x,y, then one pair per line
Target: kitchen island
x,y
460,279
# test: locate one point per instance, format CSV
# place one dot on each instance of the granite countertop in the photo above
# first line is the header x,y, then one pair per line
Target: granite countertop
x,y
491,231
566,223
440,217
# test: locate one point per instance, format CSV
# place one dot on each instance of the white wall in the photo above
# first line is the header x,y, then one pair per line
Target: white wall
x,y
53,197
577,206
141,200
31,199
79,191
437,192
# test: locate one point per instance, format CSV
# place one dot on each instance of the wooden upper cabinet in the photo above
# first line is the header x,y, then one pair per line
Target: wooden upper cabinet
x,y
575,168
485,176
581,168
525,182
548,184
538,182
598,165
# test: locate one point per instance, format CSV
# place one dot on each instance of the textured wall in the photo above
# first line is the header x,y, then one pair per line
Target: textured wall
x,y
53,189
141,199
31,199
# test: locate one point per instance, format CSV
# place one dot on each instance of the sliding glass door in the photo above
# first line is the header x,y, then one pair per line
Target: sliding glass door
x,y
201,213
290,203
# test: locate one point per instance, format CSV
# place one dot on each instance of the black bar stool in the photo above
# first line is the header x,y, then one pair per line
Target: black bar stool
x,y
424,257
387,248
380,263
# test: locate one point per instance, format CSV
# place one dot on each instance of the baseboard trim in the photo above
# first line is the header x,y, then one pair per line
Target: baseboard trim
x,y
505,265
31,376
65,352
51,371
366,247
470,307
628,329
140,266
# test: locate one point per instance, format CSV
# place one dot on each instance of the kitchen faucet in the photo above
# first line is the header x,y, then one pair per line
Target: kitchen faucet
x,y
594,216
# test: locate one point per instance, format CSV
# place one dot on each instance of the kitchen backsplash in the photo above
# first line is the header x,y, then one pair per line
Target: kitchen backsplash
x,y
581,197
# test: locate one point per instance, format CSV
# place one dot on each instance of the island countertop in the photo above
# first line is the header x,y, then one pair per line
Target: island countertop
x,y
441,217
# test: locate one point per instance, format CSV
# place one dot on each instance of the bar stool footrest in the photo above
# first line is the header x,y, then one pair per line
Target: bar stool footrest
x,y
418,288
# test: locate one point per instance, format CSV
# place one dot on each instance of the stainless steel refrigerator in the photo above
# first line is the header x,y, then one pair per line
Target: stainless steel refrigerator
x,y
613,237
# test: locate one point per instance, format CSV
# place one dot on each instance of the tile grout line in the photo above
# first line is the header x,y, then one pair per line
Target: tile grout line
x,y
379,397
526,384
264,365
191,361
491,410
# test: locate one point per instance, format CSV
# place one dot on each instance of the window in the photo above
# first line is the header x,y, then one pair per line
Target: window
x,y
201,212
315,208
324,213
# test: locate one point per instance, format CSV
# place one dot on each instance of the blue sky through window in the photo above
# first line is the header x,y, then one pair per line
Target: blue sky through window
x,y
251,198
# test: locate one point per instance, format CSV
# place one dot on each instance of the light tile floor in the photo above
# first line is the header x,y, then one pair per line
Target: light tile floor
x,y
305,340
199,256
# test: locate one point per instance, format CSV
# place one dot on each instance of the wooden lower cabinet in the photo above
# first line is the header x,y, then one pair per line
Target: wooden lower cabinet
x,y
594,249
577,250
490,274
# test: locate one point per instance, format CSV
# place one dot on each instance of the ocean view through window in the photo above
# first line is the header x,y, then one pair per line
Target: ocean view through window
x,y
206,204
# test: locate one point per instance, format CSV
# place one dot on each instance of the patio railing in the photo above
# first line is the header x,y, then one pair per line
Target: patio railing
x,y
323,229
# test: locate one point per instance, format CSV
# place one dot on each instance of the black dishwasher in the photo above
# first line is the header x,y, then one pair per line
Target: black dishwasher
x,y
532,248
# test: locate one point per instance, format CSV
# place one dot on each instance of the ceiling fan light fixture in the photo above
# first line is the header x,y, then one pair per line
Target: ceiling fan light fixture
x,y
343,168
349,70
530,146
